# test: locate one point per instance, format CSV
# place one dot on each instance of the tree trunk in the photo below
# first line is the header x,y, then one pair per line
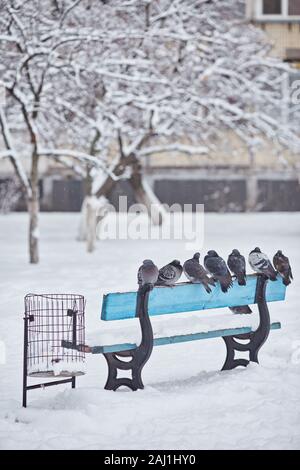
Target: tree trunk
x,y
82,232
251,184
144,195
109,182
142,191
82,229
93,210
105,188
33,210
251,192
91,223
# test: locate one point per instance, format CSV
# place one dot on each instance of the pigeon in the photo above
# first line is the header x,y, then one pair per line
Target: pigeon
x,y
169,274
218,268
197,274
282,265
147,273
241,309
237,264
261,264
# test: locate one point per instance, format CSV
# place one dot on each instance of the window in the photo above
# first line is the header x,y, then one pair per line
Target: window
x,y
294,7
272,7
278,10
292,54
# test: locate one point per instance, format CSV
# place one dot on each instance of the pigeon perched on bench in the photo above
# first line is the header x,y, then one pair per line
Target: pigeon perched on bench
x,y
168,275
237,265
218,268
147,273
261,264
196,273
282,264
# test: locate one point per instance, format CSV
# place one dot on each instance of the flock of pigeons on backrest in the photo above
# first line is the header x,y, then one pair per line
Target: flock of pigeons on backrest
x,y
215,269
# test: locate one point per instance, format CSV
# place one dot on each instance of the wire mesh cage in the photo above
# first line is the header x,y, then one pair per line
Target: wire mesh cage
x,y
50,320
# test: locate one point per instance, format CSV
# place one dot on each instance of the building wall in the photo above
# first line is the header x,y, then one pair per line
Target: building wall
x,y
219,191
284,36
283,31
230,195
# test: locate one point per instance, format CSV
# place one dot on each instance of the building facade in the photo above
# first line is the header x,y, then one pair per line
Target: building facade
x,y
280,19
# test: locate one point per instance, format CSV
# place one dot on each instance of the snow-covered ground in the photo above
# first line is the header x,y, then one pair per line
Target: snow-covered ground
x,y
187,403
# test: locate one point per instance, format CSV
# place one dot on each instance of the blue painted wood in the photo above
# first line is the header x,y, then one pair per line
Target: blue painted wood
x,y
113,348
180,339
186,297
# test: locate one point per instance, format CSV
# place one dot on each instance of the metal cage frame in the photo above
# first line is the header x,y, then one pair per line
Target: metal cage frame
x,y
48,318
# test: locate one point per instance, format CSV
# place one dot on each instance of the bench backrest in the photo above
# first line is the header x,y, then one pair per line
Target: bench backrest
x,y
187,297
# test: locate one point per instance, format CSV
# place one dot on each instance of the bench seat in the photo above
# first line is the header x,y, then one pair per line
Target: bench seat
x,y
109,348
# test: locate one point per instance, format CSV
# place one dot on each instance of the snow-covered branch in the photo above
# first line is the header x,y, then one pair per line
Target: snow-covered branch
x,y
79,156
173,148
12,154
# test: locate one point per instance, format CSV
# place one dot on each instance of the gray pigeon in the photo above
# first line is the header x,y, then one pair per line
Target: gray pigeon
x,y
218,268
169,274
261,264
282,264
147,273
196,273
241,309
237,265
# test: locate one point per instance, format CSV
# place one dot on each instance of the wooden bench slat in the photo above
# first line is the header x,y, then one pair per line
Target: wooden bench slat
x,y
179,339
186,297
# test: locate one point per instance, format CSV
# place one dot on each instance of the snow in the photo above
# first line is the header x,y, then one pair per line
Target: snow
x,y
36,233
187,402
129,331
63,368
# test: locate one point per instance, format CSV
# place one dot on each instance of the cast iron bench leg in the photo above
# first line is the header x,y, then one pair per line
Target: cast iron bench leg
x,y
139,356
256,338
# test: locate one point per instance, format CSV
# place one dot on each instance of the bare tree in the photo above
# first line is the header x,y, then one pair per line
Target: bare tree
x,y
98,86
36,68
177,77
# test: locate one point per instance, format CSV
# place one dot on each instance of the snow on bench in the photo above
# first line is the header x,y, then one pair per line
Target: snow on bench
x,y
136,337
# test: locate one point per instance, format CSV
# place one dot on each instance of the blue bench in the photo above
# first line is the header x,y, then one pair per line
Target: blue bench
x,y
185,297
